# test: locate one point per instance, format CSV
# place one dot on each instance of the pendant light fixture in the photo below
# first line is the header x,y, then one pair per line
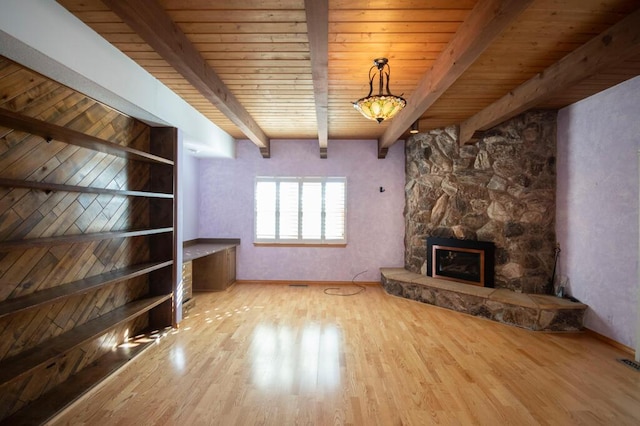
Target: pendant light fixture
x,y
382,106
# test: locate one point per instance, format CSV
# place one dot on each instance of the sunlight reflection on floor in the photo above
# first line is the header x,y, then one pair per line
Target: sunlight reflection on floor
x,y
281,362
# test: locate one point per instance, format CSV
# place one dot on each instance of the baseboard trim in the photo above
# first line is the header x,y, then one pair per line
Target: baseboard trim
x,y
610,341
310,283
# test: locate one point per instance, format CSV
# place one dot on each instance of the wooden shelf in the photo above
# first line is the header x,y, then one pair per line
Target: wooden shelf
x,y
50,131
75,288
61,396
53,349
81,238
44,186
126,216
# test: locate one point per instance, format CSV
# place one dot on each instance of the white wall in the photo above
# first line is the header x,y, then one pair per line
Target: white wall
x,y
375,223
189,195
597,207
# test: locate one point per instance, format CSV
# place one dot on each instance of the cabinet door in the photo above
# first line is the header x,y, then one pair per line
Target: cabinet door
x,y
231,265
208,272
216,271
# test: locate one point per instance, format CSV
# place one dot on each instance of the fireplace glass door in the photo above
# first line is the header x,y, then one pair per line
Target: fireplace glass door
x,y
460,264
467,261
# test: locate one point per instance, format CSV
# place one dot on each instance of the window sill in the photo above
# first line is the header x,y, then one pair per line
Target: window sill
x,y
314,245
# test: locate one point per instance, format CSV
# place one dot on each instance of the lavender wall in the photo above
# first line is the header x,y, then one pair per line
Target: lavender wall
x,y
188,195
597,207
375,224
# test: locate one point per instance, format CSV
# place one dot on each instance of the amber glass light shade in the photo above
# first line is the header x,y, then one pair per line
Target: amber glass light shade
x,y
382,106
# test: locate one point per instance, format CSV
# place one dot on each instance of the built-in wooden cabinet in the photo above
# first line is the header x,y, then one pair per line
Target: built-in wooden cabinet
x,y
188,302
214,263
231,266
87,242
216,271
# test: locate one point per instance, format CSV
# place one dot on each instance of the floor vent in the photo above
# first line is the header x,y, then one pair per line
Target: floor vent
x,y
629,363
298,285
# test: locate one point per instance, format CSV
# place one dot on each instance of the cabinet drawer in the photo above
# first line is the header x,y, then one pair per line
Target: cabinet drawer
x,y
187,280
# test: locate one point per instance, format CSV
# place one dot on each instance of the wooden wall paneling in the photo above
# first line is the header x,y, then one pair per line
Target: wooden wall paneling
x,y
87,239
8,67
17,83
37,98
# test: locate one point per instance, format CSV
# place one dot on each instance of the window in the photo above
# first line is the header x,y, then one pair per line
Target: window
x,y
300,210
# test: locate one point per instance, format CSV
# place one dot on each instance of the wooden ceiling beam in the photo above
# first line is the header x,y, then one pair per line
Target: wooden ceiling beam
x,y
318,32
151,22
484,23
618,43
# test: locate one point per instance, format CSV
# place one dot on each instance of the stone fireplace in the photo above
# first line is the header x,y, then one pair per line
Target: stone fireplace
x,y
500,189
464,261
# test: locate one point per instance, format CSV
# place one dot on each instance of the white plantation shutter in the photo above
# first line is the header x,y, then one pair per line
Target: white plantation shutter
x,y
311,210
335,210
300,210
265,210
288,208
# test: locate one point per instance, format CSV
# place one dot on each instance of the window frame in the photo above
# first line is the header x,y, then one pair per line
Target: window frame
x,y
323,241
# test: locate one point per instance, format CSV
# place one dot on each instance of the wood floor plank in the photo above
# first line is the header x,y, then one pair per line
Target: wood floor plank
x,y
272,354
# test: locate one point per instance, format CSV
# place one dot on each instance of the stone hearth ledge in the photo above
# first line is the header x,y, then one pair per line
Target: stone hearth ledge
x,y
535,312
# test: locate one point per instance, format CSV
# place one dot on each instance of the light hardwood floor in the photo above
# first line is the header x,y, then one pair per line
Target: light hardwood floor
x,y
279,355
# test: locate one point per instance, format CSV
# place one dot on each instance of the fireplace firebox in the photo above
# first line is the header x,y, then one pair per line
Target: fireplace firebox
x,y
466,261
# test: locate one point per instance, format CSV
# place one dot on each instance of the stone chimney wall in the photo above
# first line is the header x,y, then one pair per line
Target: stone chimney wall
x,y
500,189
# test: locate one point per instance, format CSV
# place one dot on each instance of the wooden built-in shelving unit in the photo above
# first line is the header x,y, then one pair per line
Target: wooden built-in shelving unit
x,y
71,239
76,385
50,131
87,242
75,288
44,186
49,351
212,263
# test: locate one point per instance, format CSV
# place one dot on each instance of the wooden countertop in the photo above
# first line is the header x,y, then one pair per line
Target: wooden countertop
x,y
201,247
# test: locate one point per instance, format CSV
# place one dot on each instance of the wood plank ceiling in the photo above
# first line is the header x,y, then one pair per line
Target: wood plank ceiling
x,y
290,69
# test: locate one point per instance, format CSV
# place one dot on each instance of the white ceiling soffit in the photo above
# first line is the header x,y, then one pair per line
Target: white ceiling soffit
x,y
45,37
